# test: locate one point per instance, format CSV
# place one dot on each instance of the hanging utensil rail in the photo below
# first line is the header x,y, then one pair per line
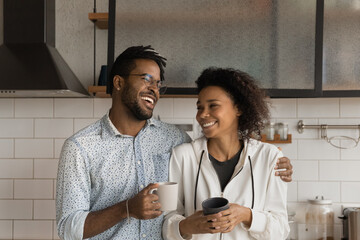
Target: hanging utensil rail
x,y
302,126
332,140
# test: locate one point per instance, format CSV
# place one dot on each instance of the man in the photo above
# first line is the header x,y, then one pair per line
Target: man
x,y
107,169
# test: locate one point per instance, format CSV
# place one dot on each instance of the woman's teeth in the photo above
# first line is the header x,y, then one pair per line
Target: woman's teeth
x,y
148,99
208,124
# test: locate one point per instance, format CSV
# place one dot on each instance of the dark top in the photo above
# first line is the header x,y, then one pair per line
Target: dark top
x,y
225,169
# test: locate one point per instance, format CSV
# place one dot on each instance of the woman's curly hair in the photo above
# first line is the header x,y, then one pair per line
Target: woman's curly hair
x,y
246,95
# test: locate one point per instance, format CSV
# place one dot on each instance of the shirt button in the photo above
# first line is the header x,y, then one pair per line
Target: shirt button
x,y
139,162
141,186
144,235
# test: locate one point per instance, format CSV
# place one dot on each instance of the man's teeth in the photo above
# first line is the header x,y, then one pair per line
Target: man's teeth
x,y
208,124
148,99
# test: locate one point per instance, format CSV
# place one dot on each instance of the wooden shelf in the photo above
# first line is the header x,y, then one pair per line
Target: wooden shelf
x,y
100,19
100,91
276,139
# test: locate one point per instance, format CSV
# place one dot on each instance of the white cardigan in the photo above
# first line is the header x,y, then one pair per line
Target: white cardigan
x,y
269,215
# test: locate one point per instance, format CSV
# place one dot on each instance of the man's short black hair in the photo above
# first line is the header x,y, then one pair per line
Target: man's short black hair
x,y
125,63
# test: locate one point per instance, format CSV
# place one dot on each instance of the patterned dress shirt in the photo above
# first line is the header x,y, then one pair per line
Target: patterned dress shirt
x,y
100,167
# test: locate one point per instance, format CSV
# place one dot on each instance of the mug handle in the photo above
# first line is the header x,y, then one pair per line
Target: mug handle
x,y
153,191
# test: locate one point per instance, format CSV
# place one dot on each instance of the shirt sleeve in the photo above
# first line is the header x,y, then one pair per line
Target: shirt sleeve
x,y
271,222
72,192
170,228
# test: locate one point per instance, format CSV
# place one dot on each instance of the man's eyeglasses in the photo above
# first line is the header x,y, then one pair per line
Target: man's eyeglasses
x,y
149,81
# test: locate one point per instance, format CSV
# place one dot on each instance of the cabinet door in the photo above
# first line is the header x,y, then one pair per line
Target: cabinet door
x,y
272,40
341,49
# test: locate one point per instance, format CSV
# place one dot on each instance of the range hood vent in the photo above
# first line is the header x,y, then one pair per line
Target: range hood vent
x,y
30,66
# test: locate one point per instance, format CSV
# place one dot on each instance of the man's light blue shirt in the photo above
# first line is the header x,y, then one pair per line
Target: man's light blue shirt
x,y
100,167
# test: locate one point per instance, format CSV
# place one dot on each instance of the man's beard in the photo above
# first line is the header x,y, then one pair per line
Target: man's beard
x,y
130,100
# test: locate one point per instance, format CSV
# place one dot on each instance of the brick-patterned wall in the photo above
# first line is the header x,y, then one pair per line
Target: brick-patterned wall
x,y
32,132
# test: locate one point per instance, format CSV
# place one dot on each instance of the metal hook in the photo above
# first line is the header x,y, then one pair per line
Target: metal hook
x,y
324,131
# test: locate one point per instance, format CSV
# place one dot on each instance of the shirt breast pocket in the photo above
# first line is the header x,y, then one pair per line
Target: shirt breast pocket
x,y
161,166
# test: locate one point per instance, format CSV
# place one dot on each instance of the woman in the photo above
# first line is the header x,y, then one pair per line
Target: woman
x,y
227,162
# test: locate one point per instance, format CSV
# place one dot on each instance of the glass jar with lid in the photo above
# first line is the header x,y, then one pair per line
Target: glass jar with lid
x,y
319,219
282,130
293,235
269,130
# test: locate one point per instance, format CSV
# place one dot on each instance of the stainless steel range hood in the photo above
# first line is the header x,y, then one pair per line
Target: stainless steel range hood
x,y
30,66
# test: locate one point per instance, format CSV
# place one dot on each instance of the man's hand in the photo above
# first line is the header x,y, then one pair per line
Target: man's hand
x,y
284,168
143,205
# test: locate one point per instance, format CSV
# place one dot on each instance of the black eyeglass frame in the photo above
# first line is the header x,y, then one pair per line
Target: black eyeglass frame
x,y
149,81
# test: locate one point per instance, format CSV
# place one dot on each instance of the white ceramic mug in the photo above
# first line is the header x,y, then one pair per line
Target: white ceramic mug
x,y
168,195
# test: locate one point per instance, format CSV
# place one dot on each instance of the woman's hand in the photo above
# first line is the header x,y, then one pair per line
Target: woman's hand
x,y
224,221
198,223
235,215
286,169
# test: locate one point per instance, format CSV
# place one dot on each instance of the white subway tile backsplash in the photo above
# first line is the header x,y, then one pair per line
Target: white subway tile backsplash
x,y
6,108
350,192
6,148
306,170
352,153
34,107
16,128
283,108
101,106
33,189
74,108
44,209
350,107
45,168
292,191
317,149
16,209
82,123
32,135
5,229
164,108
309,190
185,107
33,230
340,170
54,128
34,148
54,187
6,189
318,107
289,149
58,146
16,168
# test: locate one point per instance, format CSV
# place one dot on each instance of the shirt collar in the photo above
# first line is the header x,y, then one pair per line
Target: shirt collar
x,y
109,129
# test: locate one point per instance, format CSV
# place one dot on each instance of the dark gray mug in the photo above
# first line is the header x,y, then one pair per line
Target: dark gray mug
x,y
214,205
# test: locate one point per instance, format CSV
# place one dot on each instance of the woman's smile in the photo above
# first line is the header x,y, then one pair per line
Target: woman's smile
x,y
209,124
217,114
